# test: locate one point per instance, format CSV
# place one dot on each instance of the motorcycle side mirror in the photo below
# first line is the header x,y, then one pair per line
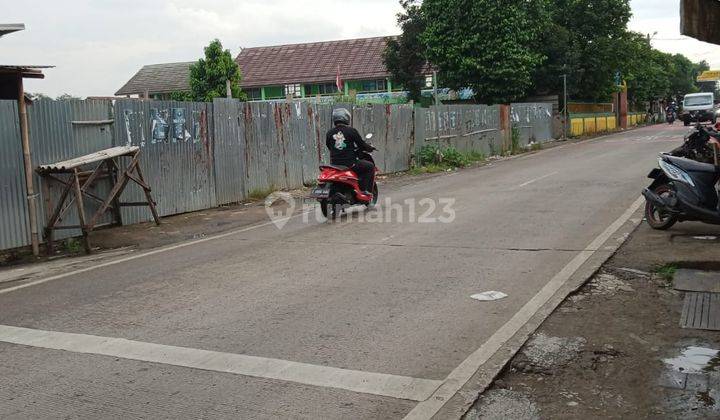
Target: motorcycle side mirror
x,y
369,136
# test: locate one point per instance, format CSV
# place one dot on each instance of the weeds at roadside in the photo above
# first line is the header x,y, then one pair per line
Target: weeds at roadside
x,y
666,272
72,245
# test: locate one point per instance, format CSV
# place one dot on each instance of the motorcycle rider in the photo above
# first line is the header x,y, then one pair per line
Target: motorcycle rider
x,y
343,142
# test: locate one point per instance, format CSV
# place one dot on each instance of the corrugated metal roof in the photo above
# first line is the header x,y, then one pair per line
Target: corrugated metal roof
x,y
315,62
159,78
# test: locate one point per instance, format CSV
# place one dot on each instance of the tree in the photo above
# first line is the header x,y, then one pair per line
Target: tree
x,y
67,97
38,96
404,56
486,45
209,75
582,42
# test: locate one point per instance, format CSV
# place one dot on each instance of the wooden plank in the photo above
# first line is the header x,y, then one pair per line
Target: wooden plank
x,y
81,213
91,158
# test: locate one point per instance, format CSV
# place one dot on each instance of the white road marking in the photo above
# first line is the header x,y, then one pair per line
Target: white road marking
x,y
145,254
525,184
402,387
461,374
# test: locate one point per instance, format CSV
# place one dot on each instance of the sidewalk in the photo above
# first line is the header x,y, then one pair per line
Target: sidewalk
x,y
603,352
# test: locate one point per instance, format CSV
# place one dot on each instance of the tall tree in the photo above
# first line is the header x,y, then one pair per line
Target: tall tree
x,y
582,42
209,75
486,45
404,56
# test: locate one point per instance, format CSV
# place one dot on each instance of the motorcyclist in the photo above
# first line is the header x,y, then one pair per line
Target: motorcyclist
x,y
343,142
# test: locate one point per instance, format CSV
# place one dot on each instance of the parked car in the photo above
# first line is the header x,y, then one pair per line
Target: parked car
x,y
698,107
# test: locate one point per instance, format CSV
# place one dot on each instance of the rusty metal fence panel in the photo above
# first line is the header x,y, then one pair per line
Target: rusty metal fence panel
x,y
230,159
61,130
533,122
465,127
176,145
15,227
392,128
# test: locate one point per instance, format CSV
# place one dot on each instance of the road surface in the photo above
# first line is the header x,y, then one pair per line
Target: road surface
x,y
352,319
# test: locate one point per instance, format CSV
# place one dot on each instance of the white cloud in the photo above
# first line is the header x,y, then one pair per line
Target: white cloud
x,y
98,45
663,17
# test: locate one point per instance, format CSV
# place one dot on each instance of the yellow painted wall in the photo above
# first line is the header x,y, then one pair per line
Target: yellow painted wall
x,y
589,124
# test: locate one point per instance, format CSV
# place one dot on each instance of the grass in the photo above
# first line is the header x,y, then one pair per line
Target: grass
x,y
666,272
433,159
72,245
536,146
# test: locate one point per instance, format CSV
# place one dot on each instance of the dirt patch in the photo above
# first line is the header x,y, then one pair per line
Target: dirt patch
x,y
605,351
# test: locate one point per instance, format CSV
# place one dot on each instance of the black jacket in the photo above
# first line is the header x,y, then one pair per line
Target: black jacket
x,y
342,141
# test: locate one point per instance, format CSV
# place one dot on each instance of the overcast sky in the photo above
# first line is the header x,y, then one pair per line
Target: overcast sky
x,y
98,45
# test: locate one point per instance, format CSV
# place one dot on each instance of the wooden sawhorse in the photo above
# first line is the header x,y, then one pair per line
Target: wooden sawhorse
x,y
69,173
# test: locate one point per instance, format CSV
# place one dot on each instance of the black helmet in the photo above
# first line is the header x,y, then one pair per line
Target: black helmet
x,y
341,116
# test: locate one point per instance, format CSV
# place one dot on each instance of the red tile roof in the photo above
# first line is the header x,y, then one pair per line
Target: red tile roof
x,y
313,63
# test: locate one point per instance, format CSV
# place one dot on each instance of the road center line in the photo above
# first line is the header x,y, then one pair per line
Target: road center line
x,y
525,184
461,374
402,387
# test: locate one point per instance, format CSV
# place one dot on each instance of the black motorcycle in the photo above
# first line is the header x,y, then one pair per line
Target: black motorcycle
x,y
696,145
670,116
682,190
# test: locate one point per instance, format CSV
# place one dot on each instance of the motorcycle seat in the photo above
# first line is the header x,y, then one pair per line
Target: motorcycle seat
x,y
691,165
336,167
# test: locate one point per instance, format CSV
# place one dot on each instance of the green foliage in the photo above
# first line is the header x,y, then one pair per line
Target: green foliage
x,y
209,75
73,245
536,146
581,40
181,96
38,96
430,153
486,45
666,272
67,97
452,157
476,156
515,141
433,157
403,56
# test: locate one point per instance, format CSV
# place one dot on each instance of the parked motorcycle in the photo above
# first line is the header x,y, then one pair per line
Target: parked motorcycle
x,y
696,145
338,187
683,190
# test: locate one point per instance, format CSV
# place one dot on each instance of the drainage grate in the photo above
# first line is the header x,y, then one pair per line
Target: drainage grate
x,y
701,311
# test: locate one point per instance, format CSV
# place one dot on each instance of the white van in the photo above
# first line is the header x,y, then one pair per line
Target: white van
x,y
698,107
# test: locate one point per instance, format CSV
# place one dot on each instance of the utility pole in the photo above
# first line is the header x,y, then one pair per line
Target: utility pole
x,y
565,107
437,105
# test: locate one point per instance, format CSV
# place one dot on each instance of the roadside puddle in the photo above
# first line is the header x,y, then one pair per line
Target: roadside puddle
x,y
695,360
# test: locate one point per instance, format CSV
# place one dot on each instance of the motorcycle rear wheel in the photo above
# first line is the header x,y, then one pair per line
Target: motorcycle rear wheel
x,y
656,218
329,210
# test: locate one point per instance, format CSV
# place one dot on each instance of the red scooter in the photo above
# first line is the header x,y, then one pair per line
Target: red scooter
x,y
338,188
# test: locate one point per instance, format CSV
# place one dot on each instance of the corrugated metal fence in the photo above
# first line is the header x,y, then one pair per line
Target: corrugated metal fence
x,y
533,122
201,155
14,224
176,143
464,127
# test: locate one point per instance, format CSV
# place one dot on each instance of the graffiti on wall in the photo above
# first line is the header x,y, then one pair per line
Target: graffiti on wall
x,y
169,125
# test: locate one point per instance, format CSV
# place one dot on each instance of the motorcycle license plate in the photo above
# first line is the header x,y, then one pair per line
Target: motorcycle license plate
x,y
320,192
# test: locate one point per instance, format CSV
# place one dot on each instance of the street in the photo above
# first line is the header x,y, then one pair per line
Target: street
x,y
344,319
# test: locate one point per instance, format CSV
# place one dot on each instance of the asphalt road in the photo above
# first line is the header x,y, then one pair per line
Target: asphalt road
x,y
350,319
